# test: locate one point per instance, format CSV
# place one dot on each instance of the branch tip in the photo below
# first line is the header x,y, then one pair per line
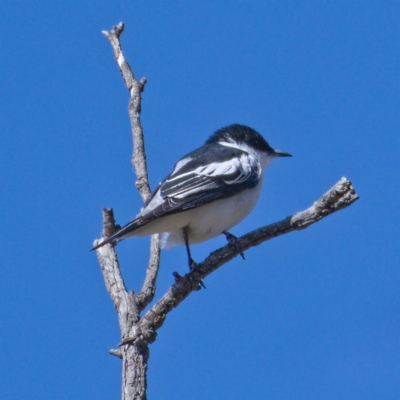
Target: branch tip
x,y
109,226
116,353
142,83
119,28
115,31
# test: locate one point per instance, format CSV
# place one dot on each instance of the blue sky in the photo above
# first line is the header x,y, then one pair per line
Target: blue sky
x,y
310,315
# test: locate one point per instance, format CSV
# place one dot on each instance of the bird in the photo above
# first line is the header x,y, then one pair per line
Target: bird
x,y
208,192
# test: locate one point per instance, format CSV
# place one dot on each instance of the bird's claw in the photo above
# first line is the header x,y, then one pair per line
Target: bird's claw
x,y
179,277
192,265
176,276
232,240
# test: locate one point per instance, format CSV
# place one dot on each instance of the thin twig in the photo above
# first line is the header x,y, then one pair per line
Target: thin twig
x,y
148,291
135,88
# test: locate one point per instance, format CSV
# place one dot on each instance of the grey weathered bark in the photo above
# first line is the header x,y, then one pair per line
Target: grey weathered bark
x,y
136,331
128,304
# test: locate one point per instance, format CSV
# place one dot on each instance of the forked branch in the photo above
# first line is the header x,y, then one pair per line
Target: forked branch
x,y
136,88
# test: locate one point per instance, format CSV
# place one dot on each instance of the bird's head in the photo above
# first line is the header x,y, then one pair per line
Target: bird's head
x,y
247,139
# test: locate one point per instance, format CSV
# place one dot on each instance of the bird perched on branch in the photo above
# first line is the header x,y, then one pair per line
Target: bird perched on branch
x,y
209,191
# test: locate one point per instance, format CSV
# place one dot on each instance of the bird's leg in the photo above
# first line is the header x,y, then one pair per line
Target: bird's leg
x,y
191,262
232,240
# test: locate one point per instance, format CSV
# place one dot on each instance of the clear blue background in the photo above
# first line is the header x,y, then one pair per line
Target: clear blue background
x,y
310,315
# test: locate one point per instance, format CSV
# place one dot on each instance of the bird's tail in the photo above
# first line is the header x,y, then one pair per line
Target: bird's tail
x,y
121,234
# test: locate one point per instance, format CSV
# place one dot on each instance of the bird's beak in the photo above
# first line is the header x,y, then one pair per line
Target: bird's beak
x,y
278,153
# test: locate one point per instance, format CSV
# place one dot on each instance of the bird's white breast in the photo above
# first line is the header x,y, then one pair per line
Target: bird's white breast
x,y
211,220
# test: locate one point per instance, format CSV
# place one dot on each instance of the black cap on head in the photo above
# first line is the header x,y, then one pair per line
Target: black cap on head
x,y
241,134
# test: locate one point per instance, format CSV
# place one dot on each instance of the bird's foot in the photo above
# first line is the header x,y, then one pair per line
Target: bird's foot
x,y
232,240
192,265
179,277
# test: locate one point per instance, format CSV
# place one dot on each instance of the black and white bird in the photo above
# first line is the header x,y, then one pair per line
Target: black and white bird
x,y
209,191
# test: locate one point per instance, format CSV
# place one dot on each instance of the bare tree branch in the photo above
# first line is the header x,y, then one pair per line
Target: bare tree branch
x,y
338,197
128,304
135,88
112,274
148,291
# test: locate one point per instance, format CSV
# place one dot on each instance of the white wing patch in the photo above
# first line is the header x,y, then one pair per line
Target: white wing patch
x,y
155,202
232,171
181,163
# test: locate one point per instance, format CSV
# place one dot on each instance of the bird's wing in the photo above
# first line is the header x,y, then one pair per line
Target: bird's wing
x,y
209,173
207,176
